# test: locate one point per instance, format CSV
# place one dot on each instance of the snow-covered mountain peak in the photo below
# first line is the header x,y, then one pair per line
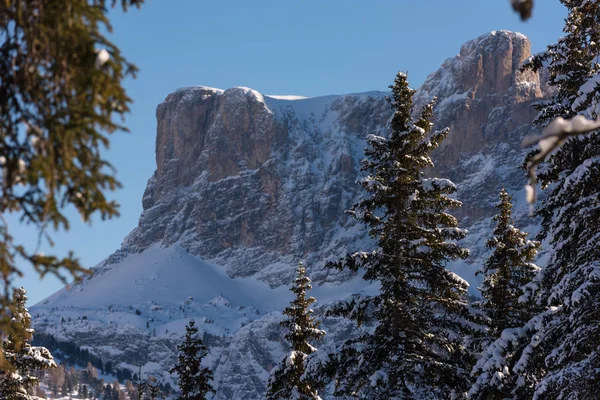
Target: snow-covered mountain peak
x,y
487,65
492,40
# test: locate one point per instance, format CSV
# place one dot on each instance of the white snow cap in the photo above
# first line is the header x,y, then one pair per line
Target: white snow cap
x,y
286,97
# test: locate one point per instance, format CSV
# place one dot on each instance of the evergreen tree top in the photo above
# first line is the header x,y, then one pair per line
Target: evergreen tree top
x,y
20,314
570,210
421,311
25,360
194,380
507,271
572,64
288,379
300,325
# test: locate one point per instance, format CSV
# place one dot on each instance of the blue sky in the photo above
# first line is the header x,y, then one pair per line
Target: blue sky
x,y
302,47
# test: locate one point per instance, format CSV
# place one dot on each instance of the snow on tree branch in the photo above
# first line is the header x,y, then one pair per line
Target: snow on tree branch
x,y
552,137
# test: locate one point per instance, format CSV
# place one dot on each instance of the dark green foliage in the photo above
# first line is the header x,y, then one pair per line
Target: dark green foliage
x,y
194,381
507,272
287,379
421,313
58,101
508,269
24,358
562,356
73,354
153,390
140,389
571,62
139,384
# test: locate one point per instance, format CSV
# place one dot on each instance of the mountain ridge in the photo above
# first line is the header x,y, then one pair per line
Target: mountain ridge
x,y
247,185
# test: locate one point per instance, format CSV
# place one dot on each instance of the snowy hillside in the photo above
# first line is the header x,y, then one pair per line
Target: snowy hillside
x,y
247,185
138,312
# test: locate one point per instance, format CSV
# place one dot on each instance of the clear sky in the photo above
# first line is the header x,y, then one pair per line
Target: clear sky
x,y
302,47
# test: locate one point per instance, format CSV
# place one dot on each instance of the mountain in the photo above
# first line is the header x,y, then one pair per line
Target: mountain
x,y
247,185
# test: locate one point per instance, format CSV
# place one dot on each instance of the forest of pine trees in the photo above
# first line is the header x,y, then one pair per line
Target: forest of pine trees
x,y
533,334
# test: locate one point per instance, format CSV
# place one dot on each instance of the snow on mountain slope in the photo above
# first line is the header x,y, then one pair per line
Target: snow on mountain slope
x,y
160,277
247,185
137,313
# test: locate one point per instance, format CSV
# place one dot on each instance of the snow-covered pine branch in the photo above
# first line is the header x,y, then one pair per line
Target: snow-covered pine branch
x,y
553,136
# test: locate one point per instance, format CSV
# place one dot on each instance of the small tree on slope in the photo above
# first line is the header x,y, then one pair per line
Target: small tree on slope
x,y
25,359
560,357
288,380
194,381
506,272
421,314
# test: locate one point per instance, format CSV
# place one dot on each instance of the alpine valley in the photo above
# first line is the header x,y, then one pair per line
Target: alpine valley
x,y
247,185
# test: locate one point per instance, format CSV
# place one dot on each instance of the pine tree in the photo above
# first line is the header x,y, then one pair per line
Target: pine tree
x,y
560,358
154,390
421,313
509,268
507,272
140,384
194,381
61,94
24,358
572,65
287,379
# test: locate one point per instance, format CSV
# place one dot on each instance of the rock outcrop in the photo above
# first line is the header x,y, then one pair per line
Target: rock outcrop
x,y
252,184
487,103
482,95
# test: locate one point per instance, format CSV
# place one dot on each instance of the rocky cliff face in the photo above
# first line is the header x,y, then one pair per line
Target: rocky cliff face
x,y
486,102
482,95
254,183
246,185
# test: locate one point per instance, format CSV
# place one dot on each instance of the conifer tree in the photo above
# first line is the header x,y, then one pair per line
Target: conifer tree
x,y
194,381
556,352
564,359
15,383
154,390
508,269
288,380
421,313
61,94
140,384
507,272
